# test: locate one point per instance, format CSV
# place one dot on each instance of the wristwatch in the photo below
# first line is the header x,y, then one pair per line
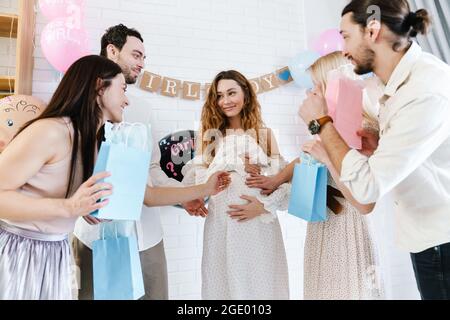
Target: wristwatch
x,y
315,126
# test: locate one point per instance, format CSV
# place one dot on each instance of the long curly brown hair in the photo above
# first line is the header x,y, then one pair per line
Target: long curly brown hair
x,y
213,117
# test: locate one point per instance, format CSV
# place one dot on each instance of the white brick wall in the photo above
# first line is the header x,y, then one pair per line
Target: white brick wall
x,y
9,6
7,46
194,40
7,56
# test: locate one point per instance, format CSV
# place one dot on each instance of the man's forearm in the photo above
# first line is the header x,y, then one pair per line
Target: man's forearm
x,y
159,197
336,147
285,176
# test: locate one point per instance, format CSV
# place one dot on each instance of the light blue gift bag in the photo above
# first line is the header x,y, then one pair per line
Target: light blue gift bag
x,y
117,271
308,199
126,154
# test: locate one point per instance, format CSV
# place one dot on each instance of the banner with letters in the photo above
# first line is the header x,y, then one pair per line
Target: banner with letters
x,y
188,90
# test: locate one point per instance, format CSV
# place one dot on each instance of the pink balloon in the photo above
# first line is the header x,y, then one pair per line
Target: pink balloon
x,y
328,42
62,43
53,9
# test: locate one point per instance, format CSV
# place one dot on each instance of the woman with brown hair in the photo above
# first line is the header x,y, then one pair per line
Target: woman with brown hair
x,y
243,254
41,181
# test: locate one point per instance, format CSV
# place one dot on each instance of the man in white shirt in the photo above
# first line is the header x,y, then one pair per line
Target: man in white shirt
x,y
126,47
413,155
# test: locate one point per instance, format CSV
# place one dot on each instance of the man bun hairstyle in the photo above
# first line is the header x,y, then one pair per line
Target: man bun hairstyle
x,y
396,15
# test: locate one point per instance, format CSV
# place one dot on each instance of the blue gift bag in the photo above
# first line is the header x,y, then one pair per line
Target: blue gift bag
x,y
308,199
117,269
127,157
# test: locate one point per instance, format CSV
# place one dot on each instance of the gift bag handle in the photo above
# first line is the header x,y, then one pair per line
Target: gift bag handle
x,y
145,140
133,125
102,226
109,134
307,157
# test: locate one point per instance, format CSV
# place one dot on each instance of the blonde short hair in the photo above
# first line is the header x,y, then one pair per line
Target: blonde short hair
x,y
319,72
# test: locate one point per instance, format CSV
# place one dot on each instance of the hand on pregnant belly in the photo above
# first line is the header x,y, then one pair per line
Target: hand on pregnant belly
x,y
251,168
246,212
217,183
268,185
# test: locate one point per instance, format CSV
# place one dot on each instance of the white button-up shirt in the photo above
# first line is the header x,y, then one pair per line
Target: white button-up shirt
x,y
413,156
148,229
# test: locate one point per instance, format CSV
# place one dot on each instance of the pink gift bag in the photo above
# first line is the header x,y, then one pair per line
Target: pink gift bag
x,y
345,105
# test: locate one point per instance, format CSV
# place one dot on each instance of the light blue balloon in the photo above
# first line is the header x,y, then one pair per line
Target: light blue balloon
x,y
299,65
368,75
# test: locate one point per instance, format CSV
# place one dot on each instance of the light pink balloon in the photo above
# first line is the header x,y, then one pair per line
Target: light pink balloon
x,y
53,9
328,42
62,44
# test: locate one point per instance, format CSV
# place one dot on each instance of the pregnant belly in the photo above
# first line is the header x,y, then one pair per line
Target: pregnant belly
x,y
232,195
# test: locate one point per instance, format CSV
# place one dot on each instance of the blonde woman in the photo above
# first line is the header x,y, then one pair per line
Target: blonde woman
x,y
243,253
339,261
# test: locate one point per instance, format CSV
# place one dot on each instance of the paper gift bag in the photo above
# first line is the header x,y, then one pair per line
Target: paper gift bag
x,y
308,199
345,105
117,271
126,155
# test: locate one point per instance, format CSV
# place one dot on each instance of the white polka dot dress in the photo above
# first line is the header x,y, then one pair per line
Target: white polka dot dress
x,y
340,259
247,260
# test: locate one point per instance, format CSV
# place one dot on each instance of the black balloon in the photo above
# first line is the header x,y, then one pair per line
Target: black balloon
x,y
177,149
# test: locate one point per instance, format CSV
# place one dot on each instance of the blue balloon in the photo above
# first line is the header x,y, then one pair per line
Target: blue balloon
x,y
368,75
299,66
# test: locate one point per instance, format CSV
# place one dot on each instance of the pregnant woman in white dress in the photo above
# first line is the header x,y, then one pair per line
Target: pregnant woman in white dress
x,y
243,254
